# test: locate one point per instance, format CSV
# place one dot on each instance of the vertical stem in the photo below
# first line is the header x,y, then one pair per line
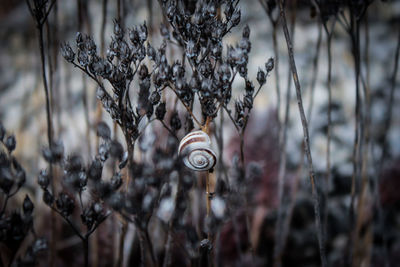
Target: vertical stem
x,y
278,244
142,248
354,30
151,248
46,89
121,245
82,18
208,196
277,79
99,109
208,193
50,141
246,204
281,175
306,136
103,26
150,23
167,257
361,247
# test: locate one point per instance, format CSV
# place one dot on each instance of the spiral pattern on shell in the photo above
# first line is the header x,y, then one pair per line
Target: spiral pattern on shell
x,y
196,150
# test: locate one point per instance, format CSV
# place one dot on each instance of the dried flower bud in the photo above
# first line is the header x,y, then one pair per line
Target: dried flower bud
x,y
90,46
142,32
103,152
48,198
39,245
2,132
116,181
191,50
248,101
206,244
124,160
74,163
235,20
83,58
103,130
261,77
6,180
27,206
175,122
246,32
160,111
143,72
118,31
155,97
67,52
79,40
269,65
116,149
151,52
116,201
65,204
43,179
164,31
10,143
249,87
95,170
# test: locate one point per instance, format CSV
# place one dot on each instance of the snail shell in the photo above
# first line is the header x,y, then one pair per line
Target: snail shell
x,y
196,150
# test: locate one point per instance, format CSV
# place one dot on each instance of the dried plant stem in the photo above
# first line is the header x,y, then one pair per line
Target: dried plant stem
x,y
150,247
206,129
361,248
168,245
246,204
83,19
278,244
278,248
124,228
274,23
103,27
99,110
220,141
314,188
354,32
277,78
150,23
46,89
53,240
142,248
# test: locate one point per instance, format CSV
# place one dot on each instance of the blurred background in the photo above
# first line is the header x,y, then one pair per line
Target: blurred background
x,y
74,106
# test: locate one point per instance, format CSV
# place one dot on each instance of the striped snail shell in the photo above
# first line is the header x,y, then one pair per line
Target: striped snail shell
x,y
196,150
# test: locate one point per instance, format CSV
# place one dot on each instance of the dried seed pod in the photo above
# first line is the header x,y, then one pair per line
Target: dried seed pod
x,y
196,150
